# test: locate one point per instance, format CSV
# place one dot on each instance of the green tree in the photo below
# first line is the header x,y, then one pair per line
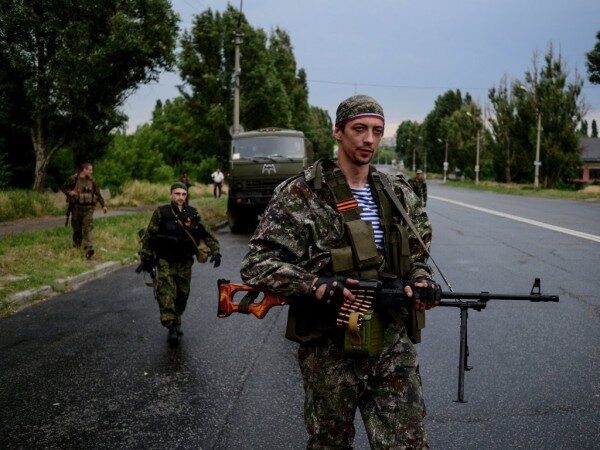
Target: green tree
x,y
594,129
462,130
76,61
5,172
274,92
510,138
584,128
320,133
549,92
408,135
593,61
445,105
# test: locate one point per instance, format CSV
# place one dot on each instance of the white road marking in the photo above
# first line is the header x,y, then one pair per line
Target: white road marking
x,y
580,234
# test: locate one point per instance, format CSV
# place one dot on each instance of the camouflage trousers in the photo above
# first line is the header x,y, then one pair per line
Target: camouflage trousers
x,y
82,222
173,288
386,389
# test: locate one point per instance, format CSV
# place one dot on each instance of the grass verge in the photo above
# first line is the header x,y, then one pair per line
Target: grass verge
x,y
43,256
587,193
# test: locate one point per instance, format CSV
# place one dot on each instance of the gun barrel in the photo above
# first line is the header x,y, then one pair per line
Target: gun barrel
x,y
485,296
139,268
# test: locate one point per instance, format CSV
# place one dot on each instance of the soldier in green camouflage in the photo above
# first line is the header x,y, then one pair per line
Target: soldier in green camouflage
x,y
169,244
82,194
306,247
419,186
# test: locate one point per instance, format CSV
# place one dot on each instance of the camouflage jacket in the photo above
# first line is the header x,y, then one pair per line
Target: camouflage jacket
x,y
164,235
299,227
87,190
420,188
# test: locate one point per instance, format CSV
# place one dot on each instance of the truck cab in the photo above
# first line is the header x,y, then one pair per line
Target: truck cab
x,y
259,161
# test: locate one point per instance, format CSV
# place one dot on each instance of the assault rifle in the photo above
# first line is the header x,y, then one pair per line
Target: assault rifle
x,y
152,272
68,214
373,294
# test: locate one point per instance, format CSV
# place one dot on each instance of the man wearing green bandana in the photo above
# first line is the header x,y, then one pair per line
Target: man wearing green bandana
x,y
169,243
337,222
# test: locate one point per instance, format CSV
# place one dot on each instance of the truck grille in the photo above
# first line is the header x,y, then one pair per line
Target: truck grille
x,y
262,185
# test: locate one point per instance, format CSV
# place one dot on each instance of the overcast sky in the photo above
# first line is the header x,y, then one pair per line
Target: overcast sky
x,y
406,52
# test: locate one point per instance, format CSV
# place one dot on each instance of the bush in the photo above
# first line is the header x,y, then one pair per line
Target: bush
x,y
206,167
21,203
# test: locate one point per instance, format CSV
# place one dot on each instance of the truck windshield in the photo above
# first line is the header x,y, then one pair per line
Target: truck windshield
x,y
268,146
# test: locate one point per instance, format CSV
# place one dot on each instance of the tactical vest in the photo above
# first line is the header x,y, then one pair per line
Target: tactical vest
x,y
357,257
85,191
171,241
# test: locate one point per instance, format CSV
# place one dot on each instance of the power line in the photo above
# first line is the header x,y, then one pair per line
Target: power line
x,y
407,86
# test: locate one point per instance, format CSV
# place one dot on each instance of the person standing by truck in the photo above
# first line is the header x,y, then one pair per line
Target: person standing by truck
x,y
217,177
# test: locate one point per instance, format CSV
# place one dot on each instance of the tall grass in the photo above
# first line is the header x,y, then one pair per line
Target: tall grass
x,y
21,203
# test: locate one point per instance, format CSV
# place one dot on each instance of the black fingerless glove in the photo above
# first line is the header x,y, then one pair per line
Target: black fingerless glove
x,y
216,259
334,291
428,295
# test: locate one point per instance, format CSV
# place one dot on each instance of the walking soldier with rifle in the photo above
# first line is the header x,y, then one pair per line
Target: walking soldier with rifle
x,y
324,230
173,237
82,195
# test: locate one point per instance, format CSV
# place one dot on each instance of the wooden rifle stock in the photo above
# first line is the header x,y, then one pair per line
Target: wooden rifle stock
x,y
246,305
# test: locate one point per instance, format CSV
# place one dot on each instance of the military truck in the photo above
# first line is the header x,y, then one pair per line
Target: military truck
x,y
260,160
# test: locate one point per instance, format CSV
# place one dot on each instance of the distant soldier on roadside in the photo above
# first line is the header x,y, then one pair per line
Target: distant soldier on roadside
x,y
419,186
185,179
82,194
169,243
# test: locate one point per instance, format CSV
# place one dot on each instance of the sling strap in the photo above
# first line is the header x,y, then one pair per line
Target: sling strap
x,y
394,199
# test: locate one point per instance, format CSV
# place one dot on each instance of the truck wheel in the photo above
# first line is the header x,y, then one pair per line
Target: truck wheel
x,y
236,222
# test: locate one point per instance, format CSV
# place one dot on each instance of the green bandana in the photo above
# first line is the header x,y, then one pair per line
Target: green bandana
x,y
178,185
357,106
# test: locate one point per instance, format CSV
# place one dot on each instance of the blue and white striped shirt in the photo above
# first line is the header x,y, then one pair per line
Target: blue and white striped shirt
x,y
370,212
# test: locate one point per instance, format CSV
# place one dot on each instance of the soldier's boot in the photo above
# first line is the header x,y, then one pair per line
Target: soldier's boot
x,y
172,338
89,253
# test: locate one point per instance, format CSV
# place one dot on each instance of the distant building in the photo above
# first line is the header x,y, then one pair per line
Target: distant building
x,y
590,155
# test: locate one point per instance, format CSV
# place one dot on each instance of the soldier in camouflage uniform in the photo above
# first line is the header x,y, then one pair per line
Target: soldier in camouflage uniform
x,y
169,244
419,186
82,194
295,252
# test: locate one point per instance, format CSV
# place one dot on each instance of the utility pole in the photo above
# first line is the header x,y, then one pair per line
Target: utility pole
x,y
537,162
446,161
237,40
477,159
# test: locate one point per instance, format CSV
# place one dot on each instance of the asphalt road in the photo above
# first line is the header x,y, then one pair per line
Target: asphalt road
x,y
91,368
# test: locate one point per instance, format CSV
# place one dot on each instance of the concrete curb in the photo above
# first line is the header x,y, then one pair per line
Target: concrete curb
x,y
75,281
24,297
62,285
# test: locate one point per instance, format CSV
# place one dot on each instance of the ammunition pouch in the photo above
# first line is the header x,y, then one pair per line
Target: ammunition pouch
x,y
364,335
